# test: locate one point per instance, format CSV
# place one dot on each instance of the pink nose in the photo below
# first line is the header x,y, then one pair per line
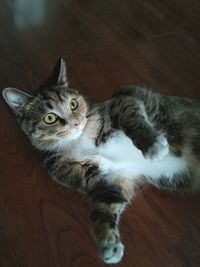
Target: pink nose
x,y
74,122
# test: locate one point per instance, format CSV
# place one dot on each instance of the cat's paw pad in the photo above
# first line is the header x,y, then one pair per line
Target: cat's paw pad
x,y
113,253
159,150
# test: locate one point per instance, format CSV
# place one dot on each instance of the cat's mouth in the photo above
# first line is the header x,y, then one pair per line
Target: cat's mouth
x,y
76,132
72,133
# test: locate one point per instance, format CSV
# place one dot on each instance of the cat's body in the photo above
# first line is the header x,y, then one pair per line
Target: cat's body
x,y
120,157
107,150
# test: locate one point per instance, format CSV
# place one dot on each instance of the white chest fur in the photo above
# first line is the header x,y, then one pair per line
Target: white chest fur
x,y
118,157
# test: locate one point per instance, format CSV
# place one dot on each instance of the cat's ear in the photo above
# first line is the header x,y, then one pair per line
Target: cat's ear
x,y
15,98
58,75
62,72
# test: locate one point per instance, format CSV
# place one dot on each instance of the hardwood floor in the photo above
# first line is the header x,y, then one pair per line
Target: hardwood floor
x,y
106,43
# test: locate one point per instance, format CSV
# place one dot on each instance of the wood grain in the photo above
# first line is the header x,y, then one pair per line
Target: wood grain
x,y
106,44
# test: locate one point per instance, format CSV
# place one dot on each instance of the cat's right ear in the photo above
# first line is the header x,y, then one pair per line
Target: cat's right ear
x,y
16,99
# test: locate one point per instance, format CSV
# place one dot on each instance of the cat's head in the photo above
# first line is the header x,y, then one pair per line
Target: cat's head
x,y
53,113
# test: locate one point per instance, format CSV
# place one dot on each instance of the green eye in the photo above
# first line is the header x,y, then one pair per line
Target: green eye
x,y
50,118
73,104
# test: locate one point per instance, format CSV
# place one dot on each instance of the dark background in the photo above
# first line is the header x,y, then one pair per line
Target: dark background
x,y
106,43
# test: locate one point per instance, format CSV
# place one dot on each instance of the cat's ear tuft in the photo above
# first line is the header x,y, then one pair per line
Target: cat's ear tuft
x,y
15,98
58,75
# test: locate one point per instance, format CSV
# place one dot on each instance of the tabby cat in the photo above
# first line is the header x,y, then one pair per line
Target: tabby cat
x,y
108,150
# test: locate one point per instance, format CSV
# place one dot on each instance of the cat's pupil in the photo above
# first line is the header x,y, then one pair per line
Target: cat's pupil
x,y
50,118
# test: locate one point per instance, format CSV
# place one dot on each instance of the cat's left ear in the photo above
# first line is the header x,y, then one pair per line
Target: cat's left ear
x,y
58,75
16,99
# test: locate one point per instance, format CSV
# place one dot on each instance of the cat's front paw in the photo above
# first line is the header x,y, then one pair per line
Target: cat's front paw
x,y
159,150
111,250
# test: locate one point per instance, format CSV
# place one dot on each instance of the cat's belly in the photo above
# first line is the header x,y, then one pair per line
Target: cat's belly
x,y
120,158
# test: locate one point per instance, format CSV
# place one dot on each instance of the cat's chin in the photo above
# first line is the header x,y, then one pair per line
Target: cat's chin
x,y
75,133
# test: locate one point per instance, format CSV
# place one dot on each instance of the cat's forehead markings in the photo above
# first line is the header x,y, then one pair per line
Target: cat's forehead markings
x,y
54,96
61,110
48,104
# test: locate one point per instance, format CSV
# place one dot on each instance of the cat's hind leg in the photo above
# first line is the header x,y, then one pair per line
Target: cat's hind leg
x,y
104,219
107,203
180,182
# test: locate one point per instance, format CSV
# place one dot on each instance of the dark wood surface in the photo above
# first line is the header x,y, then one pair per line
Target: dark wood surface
x,y
106,43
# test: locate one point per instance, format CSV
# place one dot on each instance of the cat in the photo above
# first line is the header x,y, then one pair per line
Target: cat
x,y
109,150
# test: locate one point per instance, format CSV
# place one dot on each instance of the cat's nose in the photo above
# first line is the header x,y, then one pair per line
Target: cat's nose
x,y
74,122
